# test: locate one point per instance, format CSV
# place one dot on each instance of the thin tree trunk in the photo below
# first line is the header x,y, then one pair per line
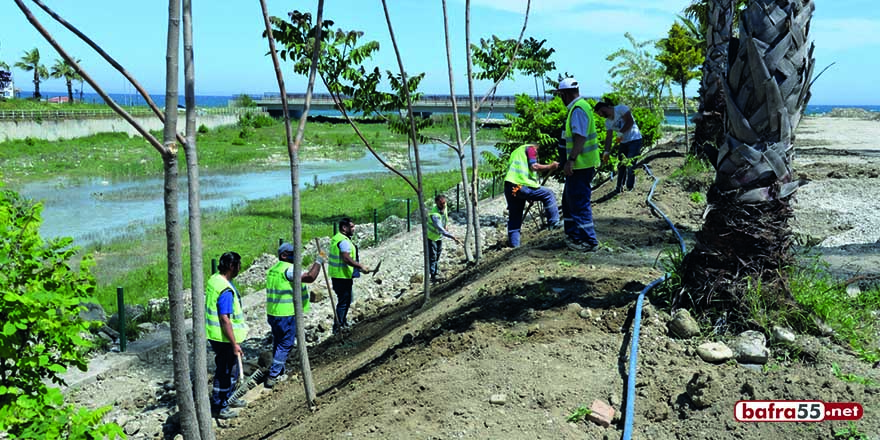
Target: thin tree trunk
x,y
746,238
475,159
293,145
69,91
197,281
709,128
462,164
684,106
415,140
37,81
179,346
537,93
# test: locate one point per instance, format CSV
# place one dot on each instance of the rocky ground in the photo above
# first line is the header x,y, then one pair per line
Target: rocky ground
x,y
511,348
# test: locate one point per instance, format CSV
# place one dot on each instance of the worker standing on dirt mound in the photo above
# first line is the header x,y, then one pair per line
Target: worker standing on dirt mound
x,y
619,118
439,218
521,185
280,311
582,150
226,327
343,268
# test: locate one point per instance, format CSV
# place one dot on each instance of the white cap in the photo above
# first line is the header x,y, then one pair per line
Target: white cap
x,y
566,84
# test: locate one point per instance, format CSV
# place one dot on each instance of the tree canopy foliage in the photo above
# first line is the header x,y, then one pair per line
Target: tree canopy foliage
x,y
636,76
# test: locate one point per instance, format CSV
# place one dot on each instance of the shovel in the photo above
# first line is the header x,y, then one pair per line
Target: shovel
x,y
377,267
327,281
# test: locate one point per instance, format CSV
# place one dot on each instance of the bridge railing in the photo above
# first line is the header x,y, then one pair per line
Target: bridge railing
x,y
38,115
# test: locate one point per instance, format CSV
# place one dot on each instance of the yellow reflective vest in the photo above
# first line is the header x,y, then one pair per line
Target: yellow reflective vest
x,y
337,268
519,172
434,233
589,157
216,285
279,293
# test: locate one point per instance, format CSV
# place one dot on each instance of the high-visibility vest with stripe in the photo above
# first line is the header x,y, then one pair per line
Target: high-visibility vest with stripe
x,y
519,172
589,157
337,267
279,293
433,232
216,285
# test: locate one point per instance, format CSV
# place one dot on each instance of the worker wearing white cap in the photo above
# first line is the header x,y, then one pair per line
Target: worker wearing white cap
x,y
582,158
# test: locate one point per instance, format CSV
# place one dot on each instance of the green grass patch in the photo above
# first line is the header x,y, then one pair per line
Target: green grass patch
x,y
137,263
851,377
254,143
698,198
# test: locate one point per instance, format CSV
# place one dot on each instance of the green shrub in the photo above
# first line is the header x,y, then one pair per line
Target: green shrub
x,y
262,120
203,129
41,329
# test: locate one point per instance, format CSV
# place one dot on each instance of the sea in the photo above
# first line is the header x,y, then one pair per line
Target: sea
x,y
225,100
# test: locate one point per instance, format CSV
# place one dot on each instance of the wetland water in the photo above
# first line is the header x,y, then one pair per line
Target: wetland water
x,y
101,210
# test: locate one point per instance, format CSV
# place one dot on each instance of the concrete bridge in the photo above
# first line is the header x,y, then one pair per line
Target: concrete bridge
x,y
425,106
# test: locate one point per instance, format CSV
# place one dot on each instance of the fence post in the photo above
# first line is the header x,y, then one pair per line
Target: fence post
x,y
280,241
334,228
457,192
120,303
493,187
213,266
408,218
376,226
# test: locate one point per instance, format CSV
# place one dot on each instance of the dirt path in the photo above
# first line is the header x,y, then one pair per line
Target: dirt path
x,y
512,348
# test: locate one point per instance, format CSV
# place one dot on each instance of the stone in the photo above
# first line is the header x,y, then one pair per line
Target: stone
x,y
715,352
684,325
824,329
417,279
92,312
601,413
853,290
704,389
498,399
782,334
132,427
586,313
750,347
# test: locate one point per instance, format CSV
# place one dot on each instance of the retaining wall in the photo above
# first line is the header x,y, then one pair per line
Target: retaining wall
x,y
54,129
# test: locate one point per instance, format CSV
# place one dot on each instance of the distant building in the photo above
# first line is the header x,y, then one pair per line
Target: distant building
x,y
8,92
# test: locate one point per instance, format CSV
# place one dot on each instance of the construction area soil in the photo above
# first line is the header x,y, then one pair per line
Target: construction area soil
x,y
512,347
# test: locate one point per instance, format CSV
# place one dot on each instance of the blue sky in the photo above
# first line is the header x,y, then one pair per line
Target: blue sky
x,y
230,52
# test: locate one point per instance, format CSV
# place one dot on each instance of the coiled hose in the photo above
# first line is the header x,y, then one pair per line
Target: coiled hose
x,y
629,414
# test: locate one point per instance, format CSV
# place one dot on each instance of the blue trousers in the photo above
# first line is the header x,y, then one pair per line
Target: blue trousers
x,y
576,210
435,248
516,203
283,340
225,374
628,150
343,288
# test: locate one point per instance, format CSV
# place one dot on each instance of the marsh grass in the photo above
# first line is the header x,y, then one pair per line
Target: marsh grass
x,y
136,262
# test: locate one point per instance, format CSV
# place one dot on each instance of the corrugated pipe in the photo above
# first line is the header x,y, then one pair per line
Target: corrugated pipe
x,y
629,414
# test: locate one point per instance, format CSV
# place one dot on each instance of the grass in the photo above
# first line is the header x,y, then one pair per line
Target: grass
x,y
232,148
137,262
578,414
850,432
698,198
852,378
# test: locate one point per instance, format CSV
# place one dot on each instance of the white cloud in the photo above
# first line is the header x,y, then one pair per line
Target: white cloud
x,y
845,33
644,25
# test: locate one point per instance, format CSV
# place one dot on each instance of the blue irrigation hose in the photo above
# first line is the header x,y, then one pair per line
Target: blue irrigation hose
x,y
629,414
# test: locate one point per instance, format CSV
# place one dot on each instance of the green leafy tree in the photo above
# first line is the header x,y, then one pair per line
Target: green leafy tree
x,y
637,77
41,329
681,55
30,62
63,69
534,60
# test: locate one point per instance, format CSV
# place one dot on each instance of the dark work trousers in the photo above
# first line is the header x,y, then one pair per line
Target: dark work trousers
x,y
577,213
516,205
283,340
435,248
342,287
225,374
626,152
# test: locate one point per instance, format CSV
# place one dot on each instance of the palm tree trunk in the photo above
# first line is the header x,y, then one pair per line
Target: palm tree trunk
x,y
37,81
197,280
69,91
746,238
709,129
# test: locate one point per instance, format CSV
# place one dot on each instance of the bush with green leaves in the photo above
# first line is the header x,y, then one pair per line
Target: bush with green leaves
x,y
42,332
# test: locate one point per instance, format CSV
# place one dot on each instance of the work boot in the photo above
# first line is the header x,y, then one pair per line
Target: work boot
x,y
554,226
237,403
224,414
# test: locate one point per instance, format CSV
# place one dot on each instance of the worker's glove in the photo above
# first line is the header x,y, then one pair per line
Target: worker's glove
x,y
319,260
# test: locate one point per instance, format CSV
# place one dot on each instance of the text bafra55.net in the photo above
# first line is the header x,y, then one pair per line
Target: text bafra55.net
x,y
795,411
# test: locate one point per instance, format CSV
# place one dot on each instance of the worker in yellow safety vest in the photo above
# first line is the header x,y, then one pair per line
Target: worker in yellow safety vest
x,y
582,151
521,185
343,267
437,221
280,310
226,328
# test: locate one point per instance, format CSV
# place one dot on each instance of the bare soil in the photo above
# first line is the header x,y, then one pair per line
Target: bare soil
x,y
547,330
